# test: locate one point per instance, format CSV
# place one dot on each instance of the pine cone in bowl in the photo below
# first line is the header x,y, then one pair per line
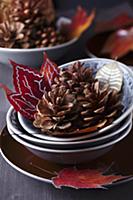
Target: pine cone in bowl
x,y
75,102
29,24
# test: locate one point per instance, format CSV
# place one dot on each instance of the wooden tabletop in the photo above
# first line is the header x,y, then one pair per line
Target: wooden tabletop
x,y
16,186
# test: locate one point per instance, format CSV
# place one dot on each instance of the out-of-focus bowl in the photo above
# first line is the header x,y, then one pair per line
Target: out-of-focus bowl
x,y
96,43
71,156
34,57
14,125
127,99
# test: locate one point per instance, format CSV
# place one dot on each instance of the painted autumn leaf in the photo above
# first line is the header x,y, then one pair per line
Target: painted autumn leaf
x,y
79,23
119,43
84,178
29,85
49,70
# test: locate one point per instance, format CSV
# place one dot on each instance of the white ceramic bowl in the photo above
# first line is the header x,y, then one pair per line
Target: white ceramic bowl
x,y
34,57
71,156
114,133
127,99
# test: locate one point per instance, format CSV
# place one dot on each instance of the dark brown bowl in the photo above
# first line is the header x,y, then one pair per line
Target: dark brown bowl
x,y
95,44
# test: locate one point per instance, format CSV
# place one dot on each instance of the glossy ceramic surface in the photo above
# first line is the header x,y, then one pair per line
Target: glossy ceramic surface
x,y
71,156
43,170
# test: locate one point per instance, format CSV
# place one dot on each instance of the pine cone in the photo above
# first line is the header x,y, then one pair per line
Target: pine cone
x,y
10,32
76,102
33,11
49,36
25,24
34,37
3,9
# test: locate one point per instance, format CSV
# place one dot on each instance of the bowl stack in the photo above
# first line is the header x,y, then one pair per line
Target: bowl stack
x,y
77,148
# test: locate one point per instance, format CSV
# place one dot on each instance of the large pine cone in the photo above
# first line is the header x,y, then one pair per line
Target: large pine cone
x,y
76,102
39,36
33,11
28,24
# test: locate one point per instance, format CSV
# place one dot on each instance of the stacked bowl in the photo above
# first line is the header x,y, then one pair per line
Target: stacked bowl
x,y
77,148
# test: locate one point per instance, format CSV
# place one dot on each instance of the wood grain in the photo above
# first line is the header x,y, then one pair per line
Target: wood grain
x,y
15,186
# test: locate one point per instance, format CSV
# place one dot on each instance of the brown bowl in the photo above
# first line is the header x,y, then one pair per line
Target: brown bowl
x,y
95,44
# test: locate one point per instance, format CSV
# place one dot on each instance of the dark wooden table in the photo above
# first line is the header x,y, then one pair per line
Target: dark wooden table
x,y
15,186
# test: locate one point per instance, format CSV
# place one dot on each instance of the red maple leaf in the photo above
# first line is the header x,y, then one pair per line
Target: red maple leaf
x,y
84,178
49,70
119,43
30,86
19,103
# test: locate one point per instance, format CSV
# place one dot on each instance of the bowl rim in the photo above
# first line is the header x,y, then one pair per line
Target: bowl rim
x,y
42,136
59,151
61,143
65,44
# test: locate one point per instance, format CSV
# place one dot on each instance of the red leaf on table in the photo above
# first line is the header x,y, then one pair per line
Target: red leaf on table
x,y
119,43
117,22
19,103
84,178
79,23
49,70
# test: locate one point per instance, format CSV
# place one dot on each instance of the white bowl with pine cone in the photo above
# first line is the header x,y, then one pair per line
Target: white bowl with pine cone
x,y
94,109
27,29
109,104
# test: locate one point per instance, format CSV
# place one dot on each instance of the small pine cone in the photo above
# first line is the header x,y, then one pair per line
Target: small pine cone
x,y
57,111
73,103
100,104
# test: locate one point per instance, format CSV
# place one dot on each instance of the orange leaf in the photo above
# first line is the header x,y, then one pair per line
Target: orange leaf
x,y
80,22
119,43
84,178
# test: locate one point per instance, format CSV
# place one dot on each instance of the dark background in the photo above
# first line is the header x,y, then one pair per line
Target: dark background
x,y
88,4
15,186
69,6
